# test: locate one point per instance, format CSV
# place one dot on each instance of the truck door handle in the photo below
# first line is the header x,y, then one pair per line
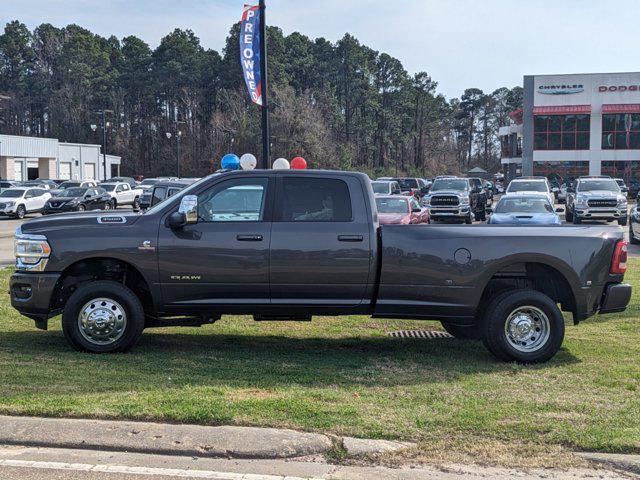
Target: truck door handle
x,y
350,238
249,238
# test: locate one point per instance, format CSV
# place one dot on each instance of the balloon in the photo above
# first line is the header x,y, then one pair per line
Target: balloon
x,y
299,163
230,162
248,161
281,164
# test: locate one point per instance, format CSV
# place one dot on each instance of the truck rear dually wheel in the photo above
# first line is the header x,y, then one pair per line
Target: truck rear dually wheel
x,y
524,326
103,317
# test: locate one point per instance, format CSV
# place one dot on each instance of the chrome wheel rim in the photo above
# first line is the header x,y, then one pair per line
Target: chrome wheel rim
x,y
527,329
102,321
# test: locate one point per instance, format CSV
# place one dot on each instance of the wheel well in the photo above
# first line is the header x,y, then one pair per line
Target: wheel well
x,y
536,276
92,269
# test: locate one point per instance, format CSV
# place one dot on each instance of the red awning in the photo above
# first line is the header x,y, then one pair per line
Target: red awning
x,y
621,108
562,110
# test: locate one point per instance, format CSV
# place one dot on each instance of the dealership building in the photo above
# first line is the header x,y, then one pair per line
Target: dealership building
x,y
572,125
28,158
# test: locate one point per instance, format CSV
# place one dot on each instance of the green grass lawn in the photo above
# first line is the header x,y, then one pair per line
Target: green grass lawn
x,y
345,376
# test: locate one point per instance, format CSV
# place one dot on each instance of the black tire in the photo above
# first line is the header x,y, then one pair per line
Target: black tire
x,y
497,314
576,219
622,221
21,212
482,216
568,215
106,206
463,333
632,238
113,292
81,208
114,204
467,220
136,204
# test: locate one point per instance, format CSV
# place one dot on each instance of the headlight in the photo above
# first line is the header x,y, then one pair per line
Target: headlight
x,y
581,201
464,200
622,200
75,201
10,204
31,251
426,201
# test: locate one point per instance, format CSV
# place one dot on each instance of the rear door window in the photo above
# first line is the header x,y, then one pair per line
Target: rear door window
x,y
315,200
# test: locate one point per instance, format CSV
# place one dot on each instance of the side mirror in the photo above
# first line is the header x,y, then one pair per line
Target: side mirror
x,y
177,220
189,208
559,210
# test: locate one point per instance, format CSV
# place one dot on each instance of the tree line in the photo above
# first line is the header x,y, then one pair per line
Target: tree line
x,y
340,105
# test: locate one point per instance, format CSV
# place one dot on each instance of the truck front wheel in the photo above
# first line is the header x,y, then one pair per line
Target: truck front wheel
x,y
524,326
103,317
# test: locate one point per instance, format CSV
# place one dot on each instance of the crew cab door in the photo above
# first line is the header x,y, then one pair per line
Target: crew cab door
x,y
224,258
320,242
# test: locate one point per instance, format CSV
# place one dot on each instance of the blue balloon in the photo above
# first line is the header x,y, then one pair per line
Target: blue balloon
x,y
230,162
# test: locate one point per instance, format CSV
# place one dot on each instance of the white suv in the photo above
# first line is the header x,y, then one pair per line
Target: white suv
x,y
17,202
531,186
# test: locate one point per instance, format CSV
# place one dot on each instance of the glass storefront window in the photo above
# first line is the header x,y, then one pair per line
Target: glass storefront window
x,y
621,131
561,132
559,172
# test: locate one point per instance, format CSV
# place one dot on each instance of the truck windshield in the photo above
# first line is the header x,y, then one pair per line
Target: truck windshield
x,y
380,187
450,184
109,187
392,205
406,183
523,205
593,185
524,186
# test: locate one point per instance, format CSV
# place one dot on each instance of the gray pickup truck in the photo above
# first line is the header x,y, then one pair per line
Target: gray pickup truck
x,y
287,245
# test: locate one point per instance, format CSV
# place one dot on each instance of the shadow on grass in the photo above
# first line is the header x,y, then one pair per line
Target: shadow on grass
x,y
251,361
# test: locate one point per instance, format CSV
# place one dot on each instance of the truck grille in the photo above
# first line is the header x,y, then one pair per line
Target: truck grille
x,y
603,203
55,204
445,201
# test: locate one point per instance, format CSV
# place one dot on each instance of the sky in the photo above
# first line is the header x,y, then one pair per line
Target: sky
x,y
461,43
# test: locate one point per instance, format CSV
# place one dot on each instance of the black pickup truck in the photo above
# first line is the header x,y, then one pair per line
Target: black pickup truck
x,y
287,245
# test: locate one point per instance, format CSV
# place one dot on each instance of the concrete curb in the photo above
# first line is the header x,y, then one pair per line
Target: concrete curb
x,y
627,463
145,437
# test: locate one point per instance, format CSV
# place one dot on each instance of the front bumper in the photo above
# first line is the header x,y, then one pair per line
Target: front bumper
x,y
600,213
454,212
8,211
615,298
63,209
31,295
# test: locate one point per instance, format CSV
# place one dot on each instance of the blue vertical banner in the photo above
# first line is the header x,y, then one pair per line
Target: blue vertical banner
x,y
250,51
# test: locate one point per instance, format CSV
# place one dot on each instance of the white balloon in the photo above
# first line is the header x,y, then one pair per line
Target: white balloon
x,y
281,164
248,161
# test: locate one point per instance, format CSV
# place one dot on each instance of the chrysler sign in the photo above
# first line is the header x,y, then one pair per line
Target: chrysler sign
x,y
560,89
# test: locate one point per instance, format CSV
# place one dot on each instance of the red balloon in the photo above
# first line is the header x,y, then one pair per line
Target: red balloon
x,y
298,163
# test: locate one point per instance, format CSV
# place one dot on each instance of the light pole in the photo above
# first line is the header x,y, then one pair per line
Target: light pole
x,y
105,125
178,137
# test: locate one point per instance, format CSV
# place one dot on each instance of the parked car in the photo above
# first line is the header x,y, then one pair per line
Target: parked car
x,y
36,184
525,210
623,187
129,180
163,190
7,184
73,184
634,225
50,183
530,186
78,199
148,183
634,188
122,194
220,246
596,198
562,192
400,210
455,199
388,187
412,186
19,201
